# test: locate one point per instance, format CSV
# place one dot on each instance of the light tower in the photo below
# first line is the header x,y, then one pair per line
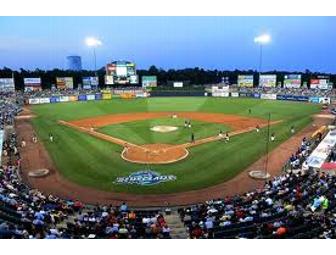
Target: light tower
x,y
263,174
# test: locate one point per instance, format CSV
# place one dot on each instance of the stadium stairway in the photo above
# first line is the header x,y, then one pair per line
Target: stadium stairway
x,y
178,230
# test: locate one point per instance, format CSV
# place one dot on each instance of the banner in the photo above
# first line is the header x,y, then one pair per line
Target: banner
x,y
322,151
90,97
7,84
34,101
267,80
98,96
64,82
220,94
292,81
245,81
149,81
243,94
32,84
55,99
107,96
314,100
256,95
81,97
234,94
268,96
45,100
293,98
178,84
64,99
73,98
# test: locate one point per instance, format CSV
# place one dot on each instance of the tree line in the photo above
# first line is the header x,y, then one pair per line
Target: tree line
x,y
194,76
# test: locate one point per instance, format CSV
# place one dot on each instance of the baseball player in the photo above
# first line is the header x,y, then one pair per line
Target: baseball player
x,y
258,128
185,123
51,137
220,135
292,129
23,143
227,137
192,138
189,124
126,148
272,137
34,138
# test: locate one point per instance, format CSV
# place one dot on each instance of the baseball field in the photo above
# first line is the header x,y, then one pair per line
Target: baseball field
x,y
93,162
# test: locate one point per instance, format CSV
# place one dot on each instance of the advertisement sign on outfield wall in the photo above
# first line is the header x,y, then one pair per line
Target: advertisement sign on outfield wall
x,y
55,99
73,98
90,97
268,96
81,97
98,96
107,96
34,100
64,99
220,94
293,98
45,100
178,84
234,94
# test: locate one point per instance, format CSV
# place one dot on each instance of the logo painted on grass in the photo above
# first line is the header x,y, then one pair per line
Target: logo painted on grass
x,y
143,178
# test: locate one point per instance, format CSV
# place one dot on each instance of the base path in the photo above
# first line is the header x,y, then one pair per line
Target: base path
x,y
35,156
163,153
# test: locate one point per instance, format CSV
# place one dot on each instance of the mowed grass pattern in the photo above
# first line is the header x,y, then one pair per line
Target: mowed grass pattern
x,y
139,132
89,161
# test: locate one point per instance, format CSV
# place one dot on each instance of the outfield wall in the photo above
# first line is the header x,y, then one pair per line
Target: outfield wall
x,y
108,96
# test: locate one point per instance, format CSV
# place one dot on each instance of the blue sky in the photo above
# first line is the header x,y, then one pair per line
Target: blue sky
x,y
171,42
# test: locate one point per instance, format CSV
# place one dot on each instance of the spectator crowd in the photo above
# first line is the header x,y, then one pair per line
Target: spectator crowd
x,y
296,204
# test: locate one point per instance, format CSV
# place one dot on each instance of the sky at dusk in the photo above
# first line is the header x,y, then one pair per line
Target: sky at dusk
x,y
224,43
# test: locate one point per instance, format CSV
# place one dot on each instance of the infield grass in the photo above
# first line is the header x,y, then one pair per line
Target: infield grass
x,y
139,132
92,162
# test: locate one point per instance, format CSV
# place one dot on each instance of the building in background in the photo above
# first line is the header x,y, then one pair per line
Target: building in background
x,y
74,63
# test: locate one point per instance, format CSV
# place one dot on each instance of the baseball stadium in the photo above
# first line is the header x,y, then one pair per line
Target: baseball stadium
x,y
126,153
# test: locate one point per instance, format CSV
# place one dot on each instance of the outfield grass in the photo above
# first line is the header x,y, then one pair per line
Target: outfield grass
x,y
139,132
92,162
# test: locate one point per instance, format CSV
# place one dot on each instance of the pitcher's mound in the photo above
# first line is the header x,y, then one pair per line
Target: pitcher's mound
x,y
154,153
164,129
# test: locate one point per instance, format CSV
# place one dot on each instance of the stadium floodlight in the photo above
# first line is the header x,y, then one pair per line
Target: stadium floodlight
x,y
93,43
262,39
